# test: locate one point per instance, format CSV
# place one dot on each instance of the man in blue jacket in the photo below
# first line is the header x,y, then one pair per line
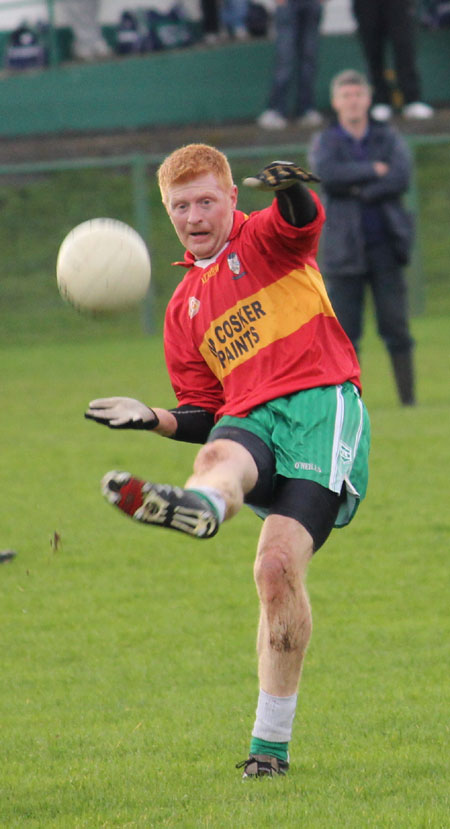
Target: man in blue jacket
x,y
365,168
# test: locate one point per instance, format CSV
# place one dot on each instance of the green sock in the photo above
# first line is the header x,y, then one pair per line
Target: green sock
x,y
219,513
279,750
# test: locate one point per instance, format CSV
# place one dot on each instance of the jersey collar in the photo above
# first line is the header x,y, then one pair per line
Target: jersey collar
x,y
238,220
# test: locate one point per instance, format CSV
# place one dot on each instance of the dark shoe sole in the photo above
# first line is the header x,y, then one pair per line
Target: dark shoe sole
x,y
160,504
262,765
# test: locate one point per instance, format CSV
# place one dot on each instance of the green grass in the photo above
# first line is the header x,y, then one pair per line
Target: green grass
x,y
128,681
433,184
128,671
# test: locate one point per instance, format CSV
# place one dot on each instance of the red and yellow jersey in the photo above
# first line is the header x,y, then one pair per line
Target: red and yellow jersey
x,y
256,323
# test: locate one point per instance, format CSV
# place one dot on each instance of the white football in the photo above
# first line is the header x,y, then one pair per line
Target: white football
x,y
103,265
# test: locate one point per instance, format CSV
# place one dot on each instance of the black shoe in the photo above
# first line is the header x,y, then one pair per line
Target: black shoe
x,y
160,504
403,366
262,765
7,555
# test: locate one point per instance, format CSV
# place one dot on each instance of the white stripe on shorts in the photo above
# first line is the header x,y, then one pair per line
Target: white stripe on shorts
x,y
339,420
360,427
350,488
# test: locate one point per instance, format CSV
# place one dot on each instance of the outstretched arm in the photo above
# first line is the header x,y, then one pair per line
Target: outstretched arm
x,y
288,182
187,423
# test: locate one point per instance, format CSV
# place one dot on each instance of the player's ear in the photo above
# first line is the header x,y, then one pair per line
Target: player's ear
x,y
234,196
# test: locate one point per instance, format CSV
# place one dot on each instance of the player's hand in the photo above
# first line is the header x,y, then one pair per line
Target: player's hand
x,y
278,175
122,413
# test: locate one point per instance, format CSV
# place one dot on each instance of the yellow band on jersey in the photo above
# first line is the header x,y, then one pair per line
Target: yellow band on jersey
x,y
270,314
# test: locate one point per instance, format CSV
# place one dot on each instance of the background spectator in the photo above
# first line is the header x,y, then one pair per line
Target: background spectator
x,y
89,43
365,168
211,21
296,46
234,14
391,21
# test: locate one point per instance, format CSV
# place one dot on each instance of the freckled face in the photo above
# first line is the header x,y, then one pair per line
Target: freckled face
x,y
201,211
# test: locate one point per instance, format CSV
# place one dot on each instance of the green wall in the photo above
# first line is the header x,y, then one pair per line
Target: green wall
x,y
228,83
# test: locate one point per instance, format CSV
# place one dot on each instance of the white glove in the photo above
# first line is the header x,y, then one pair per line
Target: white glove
x,y
122,413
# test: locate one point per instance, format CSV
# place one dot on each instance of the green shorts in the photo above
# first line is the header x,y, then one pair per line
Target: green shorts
x,y
320,434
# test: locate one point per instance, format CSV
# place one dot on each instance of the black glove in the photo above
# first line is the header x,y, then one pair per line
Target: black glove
x,y
122,413
278,175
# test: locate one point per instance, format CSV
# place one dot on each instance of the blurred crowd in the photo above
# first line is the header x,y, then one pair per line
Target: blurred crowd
x,y
384,28
220,20
381,25
295,28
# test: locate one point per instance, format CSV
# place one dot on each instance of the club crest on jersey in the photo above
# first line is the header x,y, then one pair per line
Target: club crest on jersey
x,y
345,452
194,306
235,266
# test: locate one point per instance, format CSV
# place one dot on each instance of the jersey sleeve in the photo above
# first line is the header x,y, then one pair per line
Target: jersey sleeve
x,y
275,237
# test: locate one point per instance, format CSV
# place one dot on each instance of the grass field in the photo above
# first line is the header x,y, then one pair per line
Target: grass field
x,y
128,678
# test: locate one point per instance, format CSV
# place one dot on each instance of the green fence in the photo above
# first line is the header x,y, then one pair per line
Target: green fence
x,y
141,207
196,85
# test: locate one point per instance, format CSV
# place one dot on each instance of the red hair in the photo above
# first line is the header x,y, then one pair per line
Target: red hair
x,y
192,161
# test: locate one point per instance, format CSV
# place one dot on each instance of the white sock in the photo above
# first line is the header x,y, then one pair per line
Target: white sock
x,y
215,497
274,717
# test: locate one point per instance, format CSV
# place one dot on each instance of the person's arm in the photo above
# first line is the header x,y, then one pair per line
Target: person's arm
x,y
339,176
287,181
394,181
296,205
187,423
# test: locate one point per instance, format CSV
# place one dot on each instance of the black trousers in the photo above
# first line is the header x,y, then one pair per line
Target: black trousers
x,y
389,21
210,14
386,281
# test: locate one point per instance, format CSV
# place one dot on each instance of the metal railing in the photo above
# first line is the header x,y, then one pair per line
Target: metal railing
x,y
138,165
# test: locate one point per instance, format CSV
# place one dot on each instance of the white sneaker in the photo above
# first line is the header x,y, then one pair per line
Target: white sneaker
x,y
311,118
87,52
381,112
211,39
272,120
418,110
241,33
102,49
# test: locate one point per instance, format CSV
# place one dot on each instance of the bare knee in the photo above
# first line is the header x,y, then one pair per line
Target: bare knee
x,y
209,456
275,575
284,601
